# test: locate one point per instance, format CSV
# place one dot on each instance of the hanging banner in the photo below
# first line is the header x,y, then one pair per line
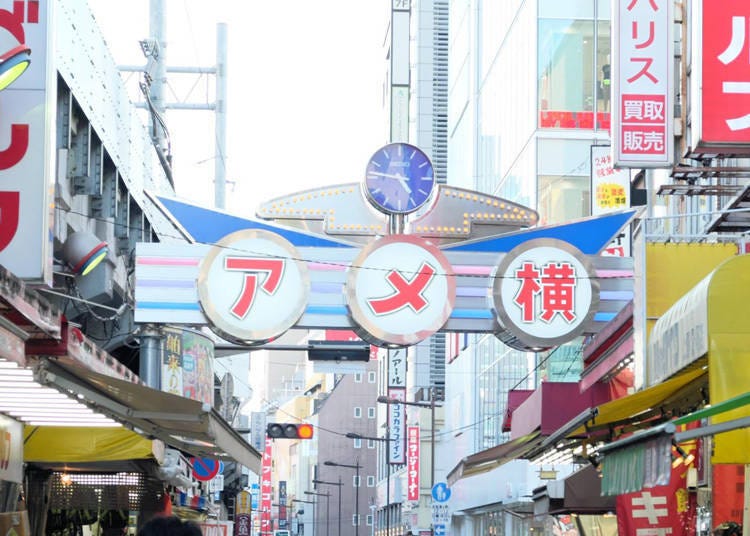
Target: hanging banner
x,y
642,83
412,471
668,509
266,490
396,427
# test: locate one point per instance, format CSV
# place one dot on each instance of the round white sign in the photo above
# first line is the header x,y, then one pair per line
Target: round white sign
x,y
252,286
544,293
400,290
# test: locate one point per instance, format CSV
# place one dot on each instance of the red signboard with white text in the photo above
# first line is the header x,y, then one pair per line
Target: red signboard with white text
x,y
642,83
412,462
266,489
720,77
26,141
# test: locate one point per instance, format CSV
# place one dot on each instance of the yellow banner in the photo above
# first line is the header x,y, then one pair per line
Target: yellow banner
x,y
78,444
729,353
668,277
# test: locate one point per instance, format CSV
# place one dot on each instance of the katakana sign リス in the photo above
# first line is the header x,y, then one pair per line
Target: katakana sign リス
x,y
642,83
720,77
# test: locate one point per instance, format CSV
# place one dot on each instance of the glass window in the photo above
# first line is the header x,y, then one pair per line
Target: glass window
x,y
371,413
355,520
357,443
357,412
371,377
566,64
370,481
563,198
369,519
357,377
356,481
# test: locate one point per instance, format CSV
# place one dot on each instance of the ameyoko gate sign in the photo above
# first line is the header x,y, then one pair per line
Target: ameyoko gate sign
x,y
251,286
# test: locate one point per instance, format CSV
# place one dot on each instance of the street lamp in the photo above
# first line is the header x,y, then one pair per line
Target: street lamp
x,y
339,484
356,467
431,405
314,503
387,439
328,507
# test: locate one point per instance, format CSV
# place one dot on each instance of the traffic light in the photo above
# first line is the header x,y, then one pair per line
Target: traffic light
x,y
276,430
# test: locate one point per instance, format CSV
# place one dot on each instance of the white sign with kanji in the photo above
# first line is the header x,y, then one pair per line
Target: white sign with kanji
x,y
545,291
642,83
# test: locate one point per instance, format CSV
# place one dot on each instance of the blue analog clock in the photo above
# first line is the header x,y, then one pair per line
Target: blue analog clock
x,y
399,179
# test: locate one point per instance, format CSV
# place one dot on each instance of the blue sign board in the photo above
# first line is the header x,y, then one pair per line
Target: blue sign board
x,y
439,529
254,494
441,492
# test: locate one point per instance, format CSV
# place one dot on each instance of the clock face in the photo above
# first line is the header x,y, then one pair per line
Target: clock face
x,y
399,179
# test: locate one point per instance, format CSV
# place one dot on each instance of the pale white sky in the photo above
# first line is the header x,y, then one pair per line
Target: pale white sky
x,y
305,98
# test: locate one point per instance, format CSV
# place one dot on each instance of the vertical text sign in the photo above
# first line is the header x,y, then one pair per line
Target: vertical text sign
x,y
642,83
725,61
412,473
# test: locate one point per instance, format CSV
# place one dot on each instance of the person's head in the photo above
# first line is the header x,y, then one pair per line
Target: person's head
x,y
169,526
728,528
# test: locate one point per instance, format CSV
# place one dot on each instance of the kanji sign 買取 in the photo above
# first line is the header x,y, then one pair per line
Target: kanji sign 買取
x,y
642,83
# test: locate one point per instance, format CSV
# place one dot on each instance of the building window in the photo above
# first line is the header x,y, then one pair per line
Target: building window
x,y
355,520
357,443
371,377
371,413
369,520
370,481
357,412
356,481
370,443
357,377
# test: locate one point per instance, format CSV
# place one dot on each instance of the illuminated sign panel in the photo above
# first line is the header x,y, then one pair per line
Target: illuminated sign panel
x,y
720,77
544,294
642,82
252,286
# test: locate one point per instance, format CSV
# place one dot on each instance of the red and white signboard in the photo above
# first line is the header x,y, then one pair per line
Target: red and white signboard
x,y
720,76
253,286
26,143
642,83
545,291
266,489
400,290
412,469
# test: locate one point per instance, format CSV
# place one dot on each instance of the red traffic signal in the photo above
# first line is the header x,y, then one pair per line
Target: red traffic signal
x,y
277,430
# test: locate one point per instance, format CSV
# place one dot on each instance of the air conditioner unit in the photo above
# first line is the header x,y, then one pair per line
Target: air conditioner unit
x,y
176,471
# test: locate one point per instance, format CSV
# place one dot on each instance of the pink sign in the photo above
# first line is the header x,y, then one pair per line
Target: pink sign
x,y
412,462
266,490
642,83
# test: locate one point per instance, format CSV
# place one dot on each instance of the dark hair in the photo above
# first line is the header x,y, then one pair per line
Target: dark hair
x,y
728,528
169,526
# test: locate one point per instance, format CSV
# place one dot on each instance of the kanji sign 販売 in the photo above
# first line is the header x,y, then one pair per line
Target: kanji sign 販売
x,y
642,83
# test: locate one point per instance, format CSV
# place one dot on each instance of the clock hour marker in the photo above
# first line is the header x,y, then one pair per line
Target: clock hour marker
x,y
423,164
422,191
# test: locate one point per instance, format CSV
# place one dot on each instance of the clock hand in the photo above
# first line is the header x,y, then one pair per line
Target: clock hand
x,y
399,178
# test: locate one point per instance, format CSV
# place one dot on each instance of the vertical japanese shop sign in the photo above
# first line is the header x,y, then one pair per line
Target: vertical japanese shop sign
x,y
610,191
282,505
266,491
26,143
396,412
412,472
642,83
720,76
